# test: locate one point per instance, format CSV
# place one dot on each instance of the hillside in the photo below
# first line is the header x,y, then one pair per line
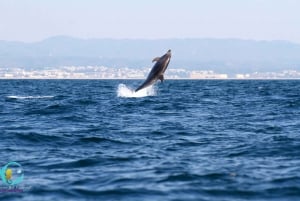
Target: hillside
x,y
221,55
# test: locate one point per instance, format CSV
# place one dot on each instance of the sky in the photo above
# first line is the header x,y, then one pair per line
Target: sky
x,y
35,20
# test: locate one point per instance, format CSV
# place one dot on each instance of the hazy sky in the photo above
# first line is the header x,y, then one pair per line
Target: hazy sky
x,y
34,20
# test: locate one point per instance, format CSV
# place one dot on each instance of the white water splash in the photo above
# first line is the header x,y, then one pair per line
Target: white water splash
x,y
126,92
29,97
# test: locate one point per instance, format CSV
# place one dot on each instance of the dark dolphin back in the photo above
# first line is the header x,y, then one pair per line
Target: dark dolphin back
x,y
158,69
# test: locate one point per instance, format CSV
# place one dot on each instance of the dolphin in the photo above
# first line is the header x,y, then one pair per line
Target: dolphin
x,y
158,70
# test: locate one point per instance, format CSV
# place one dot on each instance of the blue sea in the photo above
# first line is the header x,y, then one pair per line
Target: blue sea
x,y
226,140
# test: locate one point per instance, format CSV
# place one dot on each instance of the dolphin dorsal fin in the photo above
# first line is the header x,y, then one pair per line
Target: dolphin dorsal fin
x,y
161,77
155,59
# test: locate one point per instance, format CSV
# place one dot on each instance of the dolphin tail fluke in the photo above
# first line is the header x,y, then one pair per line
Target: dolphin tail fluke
x,y
140,87
147,83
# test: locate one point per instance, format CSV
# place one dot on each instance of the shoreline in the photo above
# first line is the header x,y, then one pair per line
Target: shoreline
x,y
187,79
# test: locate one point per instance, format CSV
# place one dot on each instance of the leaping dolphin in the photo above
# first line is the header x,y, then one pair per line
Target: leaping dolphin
x,y
157,71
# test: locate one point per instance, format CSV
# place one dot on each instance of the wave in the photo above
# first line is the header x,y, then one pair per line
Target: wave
x,y
29,97
126,92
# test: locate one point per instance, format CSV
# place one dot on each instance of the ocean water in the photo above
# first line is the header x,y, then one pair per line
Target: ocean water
x,y
224,140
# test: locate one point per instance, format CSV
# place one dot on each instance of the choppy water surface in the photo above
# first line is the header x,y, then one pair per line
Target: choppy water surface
x,y
180,140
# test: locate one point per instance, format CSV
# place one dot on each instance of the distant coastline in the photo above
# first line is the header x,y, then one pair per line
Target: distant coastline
x,y
108,73
222,56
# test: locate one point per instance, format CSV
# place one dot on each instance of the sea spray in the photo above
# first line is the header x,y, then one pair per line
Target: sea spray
x,y
126,92
29,97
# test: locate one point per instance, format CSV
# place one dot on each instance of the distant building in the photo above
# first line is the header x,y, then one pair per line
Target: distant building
x,y
207,75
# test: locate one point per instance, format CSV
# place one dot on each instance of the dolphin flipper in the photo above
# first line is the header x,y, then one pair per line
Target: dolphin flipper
x,y
161,78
